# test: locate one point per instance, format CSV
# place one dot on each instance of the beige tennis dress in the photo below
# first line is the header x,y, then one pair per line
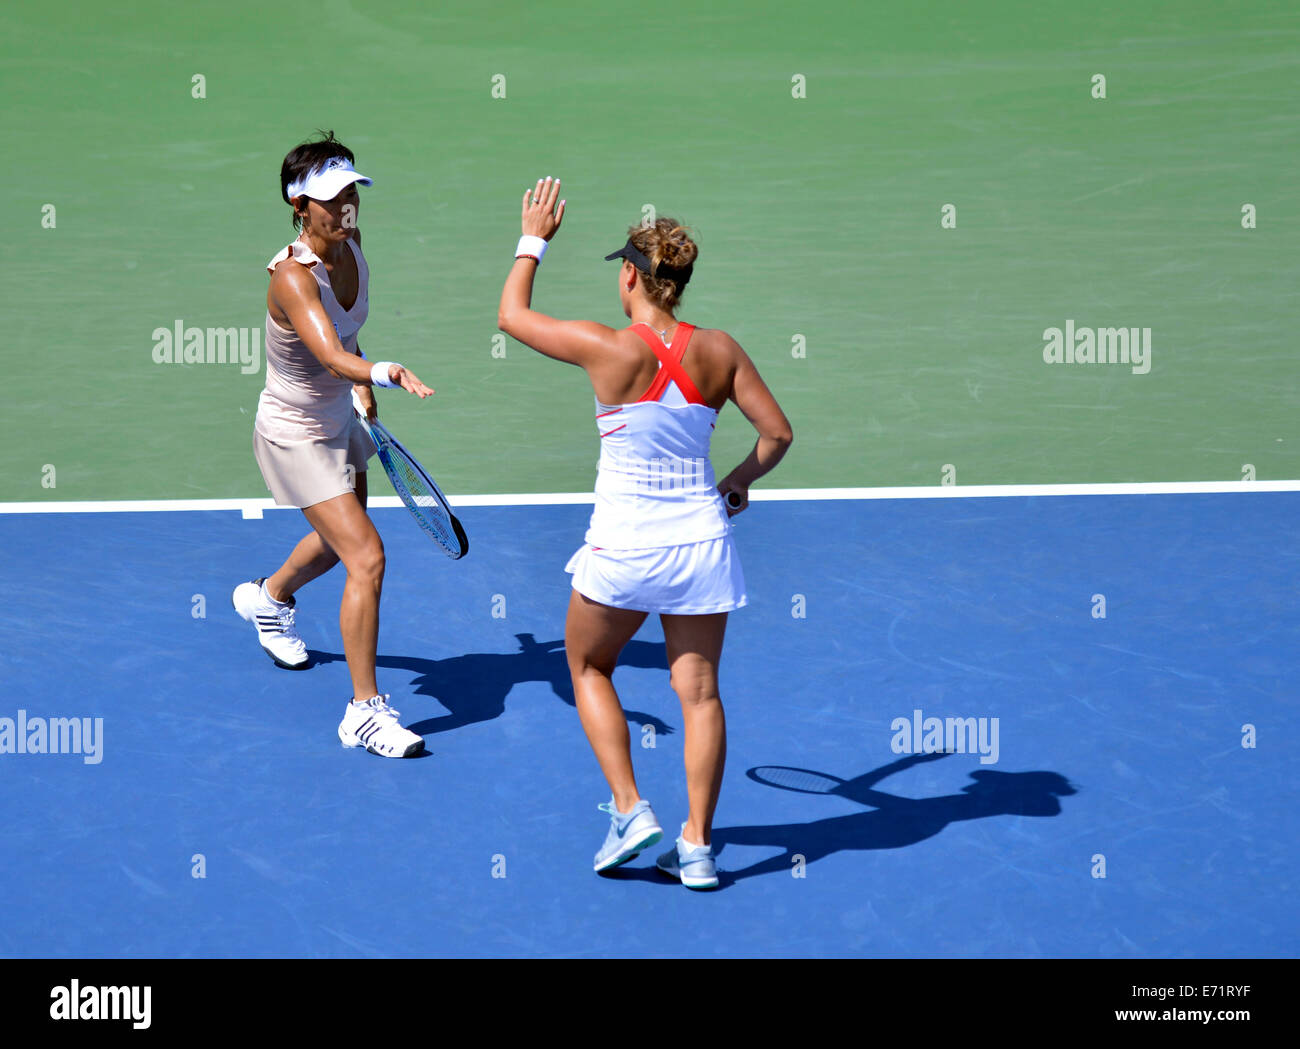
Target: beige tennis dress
x,y
307,440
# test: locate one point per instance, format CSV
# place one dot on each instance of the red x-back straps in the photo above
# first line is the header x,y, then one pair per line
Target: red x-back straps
x,y
670,359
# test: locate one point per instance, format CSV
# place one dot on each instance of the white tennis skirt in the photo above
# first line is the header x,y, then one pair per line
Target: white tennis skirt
x,y
694,579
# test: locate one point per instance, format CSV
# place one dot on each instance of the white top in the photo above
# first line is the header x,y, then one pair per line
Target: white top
x,y
655,486
302,401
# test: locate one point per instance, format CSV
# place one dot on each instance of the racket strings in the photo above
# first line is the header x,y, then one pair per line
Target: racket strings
x,y
421,500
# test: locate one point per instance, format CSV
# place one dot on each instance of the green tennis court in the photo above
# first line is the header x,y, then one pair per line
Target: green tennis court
x,y
897,346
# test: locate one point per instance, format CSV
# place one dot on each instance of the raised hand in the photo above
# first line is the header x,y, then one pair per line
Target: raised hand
x,y
541,217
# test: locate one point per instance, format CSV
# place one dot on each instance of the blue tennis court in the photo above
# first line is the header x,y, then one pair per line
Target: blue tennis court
x,y
1152,744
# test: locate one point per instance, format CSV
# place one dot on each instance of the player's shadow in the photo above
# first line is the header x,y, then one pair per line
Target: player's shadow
x,y
473,687
893,822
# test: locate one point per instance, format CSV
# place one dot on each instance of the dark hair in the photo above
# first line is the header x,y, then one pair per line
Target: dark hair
x,y
307,156
667,242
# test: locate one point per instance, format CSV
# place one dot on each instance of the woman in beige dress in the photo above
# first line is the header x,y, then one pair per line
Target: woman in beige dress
x,y
310,447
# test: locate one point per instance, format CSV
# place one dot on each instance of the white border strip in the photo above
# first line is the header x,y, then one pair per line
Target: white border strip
x,y
254,508
977,491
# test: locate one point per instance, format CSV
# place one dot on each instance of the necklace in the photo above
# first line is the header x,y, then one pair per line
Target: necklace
x,y
661,332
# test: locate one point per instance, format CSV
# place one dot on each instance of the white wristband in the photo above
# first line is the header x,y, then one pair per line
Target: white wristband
x,y
379,374
533,246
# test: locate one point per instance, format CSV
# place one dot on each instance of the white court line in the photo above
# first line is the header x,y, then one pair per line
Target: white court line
x,y
254,508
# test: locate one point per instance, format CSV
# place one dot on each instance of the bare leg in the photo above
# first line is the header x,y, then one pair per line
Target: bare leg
x,y
345,528
694,650
312,557
594,635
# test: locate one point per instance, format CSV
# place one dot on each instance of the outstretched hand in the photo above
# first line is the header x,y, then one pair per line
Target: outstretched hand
x,y
541,217
407,380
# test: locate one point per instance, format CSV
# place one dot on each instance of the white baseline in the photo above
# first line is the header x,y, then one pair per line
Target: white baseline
x,y
254,508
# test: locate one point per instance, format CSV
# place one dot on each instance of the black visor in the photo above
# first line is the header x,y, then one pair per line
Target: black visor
x,y
634,255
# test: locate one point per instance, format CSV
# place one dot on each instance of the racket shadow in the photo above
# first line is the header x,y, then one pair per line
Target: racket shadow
x,y
894,822
473,687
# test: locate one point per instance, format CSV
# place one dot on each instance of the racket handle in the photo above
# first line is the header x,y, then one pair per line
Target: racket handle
x,y
733,500
356,404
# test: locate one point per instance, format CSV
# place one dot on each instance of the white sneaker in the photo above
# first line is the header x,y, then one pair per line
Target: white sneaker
x,y
274,622
373,725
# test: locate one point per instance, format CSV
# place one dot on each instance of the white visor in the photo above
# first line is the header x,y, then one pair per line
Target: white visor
x,y
326,181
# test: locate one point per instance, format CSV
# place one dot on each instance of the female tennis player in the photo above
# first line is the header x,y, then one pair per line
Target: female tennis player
x,y
660,536
310,447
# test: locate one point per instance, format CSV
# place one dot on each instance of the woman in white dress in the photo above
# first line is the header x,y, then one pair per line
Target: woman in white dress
x,y
660,536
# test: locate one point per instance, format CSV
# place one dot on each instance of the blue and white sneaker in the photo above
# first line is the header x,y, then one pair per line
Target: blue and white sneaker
x,y
274,622
629,834
693,865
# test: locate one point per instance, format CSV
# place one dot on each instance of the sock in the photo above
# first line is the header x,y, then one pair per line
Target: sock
x,y
694,845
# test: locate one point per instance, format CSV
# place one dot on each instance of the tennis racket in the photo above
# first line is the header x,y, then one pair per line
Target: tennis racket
x,y
417,489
